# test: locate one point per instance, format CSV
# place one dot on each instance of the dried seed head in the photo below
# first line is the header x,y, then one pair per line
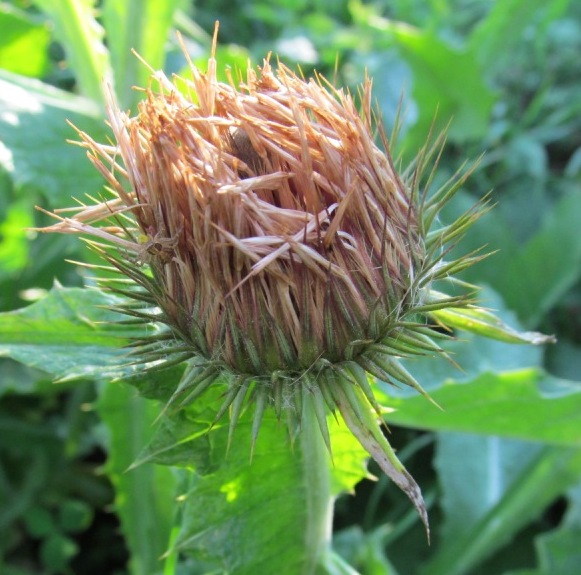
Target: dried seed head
x,y
276,228
285,252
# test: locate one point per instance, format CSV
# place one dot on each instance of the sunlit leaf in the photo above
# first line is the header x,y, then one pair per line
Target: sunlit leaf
x,y
24,44
67,334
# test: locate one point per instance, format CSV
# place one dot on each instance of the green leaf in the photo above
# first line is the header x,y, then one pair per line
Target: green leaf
x,y
34,130
549,474
17,378
23,44
524,404
68,334
142,26
144,496
564,360
82,36
158,384
559,551
268,515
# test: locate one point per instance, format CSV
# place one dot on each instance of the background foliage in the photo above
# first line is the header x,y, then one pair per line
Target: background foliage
x,y
501,466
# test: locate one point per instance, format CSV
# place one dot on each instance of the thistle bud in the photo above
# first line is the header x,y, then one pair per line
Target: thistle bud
x,y
277,243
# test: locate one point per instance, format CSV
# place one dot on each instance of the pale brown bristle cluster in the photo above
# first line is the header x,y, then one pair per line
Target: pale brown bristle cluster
x,y
269,202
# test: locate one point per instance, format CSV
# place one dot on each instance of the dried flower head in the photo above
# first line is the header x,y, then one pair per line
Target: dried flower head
x,y
278,244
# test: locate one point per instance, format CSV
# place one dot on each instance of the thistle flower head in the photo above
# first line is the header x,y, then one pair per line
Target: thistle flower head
x,y
276,242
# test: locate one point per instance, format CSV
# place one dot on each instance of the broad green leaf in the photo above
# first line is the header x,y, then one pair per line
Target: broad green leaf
x,y
67,334
185,438
280,505
524,404
573,516
280,501
23,44
144,496
82,37
33,134
548,475
559,551
159,384
142,26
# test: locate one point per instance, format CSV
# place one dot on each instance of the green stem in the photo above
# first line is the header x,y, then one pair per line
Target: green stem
x,y
317,486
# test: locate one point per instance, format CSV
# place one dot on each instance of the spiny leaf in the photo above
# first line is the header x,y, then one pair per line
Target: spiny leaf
x,y
358,376
433,304
237,405
277,394
411,338
390,346
157,364
400,373
229,396
260,401
314,395
197,378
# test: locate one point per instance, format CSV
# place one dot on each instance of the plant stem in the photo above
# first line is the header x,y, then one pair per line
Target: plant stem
x,y
318,498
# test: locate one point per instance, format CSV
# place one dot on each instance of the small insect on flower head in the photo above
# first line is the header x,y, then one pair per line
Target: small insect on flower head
x,y
279,245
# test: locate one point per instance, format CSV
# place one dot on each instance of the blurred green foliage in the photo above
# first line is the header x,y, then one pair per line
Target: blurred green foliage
x,y
501,466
